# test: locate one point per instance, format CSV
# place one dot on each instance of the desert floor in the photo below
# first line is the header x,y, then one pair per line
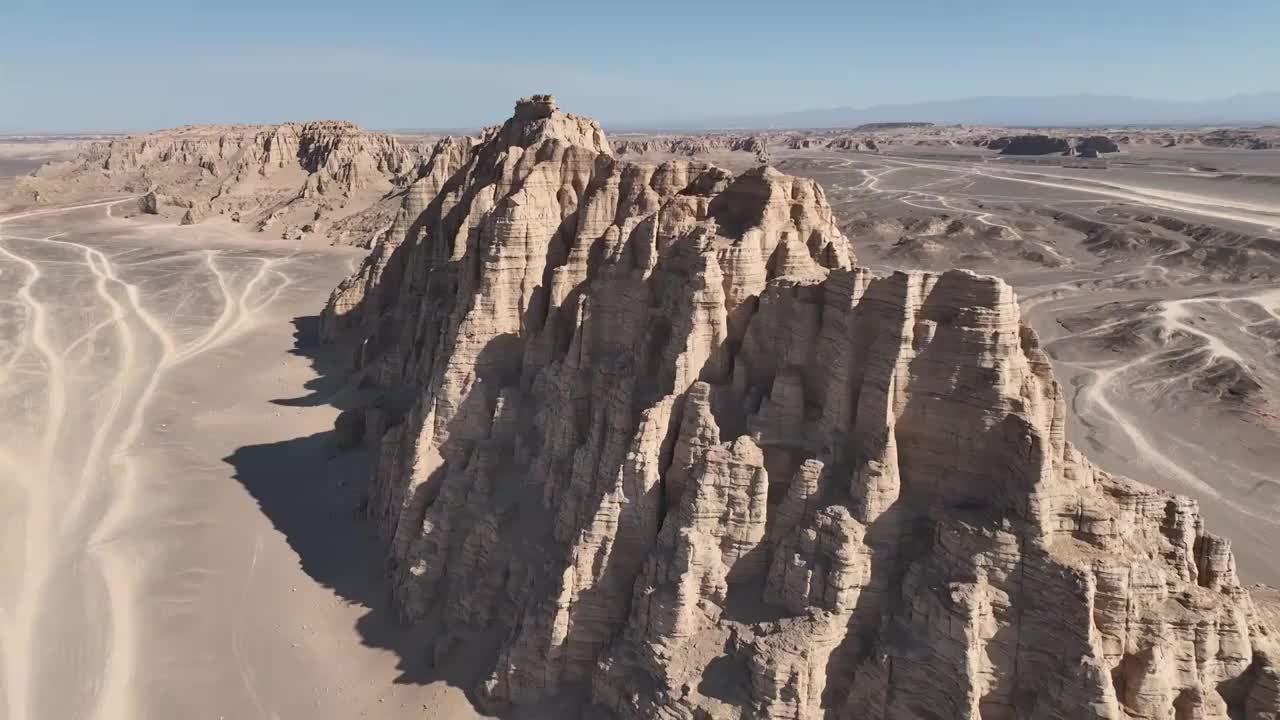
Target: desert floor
x,y
181,533
1167,345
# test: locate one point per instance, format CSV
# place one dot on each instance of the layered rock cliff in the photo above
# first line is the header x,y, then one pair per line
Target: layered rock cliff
x,y
693,146
321,178
655,425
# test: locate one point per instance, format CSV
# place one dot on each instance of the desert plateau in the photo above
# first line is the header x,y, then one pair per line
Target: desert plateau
x,y
835,361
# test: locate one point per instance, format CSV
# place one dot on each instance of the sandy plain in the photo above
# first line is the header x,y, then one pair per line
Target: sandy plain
x,y
181,537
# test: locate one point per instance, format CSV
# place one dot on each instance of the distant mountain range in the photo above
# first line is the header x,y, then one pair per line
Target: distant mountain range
x,y
1057,110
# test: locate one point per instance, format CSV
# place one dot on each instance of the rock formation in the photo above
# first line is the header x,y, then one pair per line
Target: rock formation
x,y
854,143
330,176
1031,145
1094,145
693,146
804,142
1251,139
1088,146
654,424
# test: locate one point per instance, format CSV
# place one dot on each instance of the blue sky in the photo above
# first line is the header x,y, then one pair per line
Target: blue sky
x,y
137,64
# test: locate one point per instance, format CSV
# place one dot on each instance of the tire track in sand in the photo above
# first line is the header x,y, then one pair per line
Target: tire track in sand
x,y
16,645
115,482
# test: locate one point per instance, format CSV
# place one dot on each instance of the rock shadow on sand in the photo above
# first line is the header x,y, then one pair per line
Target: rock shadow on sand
x,y
313,489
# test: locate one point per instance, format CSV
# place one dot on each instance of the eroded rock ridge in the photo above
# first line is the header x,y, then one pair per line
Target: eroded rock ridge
x,y
654,424
325,178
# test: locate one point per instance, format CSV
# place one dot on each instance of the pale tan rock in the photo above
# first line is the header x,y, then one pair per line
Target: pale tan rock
x,y
332,174
195,213
652,423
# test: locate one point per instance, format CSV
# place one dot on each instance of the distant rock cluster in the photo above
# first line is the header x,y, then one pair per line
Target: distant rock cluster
x,y
324,176
1031,145
694,146
884,136
1088,146
872,127
653,423
878,137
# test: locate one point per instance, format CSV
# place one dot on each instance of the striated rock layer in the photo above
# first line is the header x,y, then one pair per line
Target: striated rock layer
x,y
693,146
323,178
654,424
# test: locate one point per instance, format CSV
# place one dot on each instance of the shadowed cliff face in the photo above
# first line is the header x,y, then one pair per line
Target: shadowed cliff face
x,y
655,425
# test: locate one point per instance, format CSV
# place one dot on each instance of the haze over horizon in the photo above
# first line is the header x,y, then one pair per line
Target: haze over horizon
x,y
143,64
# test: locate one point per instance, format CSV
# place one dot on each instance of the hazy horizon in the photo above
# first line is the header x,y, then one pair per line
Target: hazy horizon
x,y
1029,112
143,64
935,112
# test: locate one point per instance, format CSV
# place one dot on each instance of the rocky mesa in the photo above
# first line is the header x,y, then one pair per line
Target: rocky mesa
x,y
654,425
326,179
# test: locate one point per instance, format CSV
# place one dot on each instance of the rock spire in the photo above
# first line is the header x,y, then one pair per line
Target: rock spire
x,y
655,424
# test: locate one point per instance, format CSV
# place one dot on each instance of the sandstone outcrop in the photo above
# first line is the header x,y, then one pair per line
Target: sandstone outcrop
x,y
857,144
694,146
654,423
150,203
328,174
801,142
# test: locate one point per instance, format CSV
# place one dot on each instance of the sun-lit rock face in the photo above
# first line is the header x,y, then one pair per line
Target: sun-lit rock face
x,y
324,178
343,157
654,423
